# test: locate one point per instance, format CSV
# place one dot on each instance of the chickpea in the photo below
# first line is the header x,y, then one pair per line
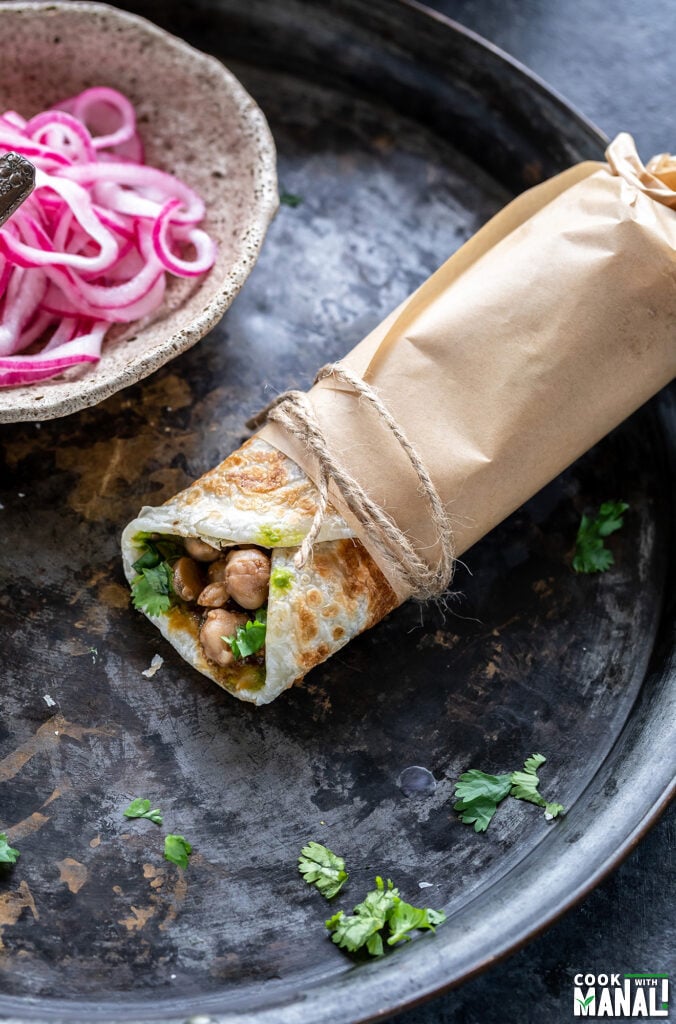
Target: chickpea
x,y
200,550
217,571
187,579
217,624
247,577
214,595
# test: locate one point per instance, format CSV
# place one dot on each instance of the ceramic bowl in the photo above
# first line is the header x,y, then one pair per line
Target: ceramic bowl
x,y
197,122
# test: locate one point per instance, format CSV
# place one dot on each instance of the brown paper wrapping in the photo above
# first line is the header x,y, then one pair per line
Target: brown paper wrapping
x,y
542,333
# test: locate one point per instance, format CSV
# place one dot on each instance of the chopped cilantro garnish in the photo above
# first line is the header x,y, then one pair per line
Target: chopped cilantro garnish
x,y
249,638
525,786
140,808
8,855
479,794
148,560
381,913
319,866
161,549
591,554
177,849
289,199
152,591
405,918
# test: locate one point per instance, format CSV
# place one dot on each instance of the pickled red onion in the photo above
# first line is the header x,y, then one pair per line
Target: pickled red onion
x,y
92,244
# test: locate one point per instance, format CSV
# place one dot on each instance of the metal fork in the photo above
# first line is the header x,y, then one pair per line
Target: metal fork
x,y
17,181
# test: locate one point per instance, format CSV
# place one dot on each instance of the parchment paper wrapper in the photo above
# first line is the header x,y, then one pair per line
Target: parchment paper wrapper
x,y
547,329
554,323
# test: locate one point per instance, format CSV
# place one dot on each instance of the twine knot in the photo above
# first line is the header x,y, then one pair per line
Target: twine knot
x,y
293,411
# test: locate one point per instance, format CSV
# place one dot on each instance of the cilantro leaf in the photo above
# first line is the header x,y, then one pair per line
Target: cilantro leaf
x,y
369,917
289,199
553,810
8,855
382,912
380,900
405,918
177,849
591,554
249,638
319,866
140,808
148,560
479,795
525,786
358,930
152,591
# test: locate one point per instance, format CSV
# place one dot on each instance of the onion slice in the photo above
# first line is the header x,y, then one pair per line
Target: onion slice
x,y
92,245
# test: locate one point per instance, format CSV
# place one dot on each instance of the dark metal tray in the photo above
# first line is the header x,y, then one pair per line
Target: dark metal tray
x,y
402,134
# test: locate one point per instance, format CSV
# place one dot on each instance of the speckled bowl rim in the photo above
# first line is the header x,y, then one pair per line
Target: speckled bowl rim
x,y
84,393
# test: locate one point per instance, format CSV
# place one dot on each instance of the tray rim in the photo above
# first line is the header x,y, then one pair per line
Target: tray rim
x,y
314,995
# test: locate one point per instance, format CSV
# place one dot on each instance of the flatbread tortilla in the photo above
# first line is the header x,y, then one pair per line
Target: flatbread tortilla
x,y
259,496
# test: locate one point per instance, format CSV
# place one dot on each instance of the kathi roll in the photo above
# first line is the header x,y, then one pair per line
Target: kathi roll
x,y
542,333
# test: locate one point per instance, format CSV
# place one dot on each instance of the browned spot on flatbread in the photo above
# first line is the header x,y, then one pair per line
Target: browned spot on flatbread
x,y
349,565
364,578
314,656
307,622
13,904
249,473
72,873
354,578
249,469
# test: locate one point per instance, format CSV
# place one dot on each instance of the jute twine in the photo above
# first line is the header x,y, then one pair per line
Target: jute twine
x,y
294,412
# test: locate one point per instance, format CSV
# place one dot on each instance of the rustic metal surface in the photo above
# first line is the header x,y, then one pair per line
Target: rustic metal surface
x,y
528,656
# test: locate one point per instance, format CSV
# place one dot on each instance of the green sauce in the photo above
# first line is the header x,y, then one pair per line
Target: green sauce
x,y
274,537
281,579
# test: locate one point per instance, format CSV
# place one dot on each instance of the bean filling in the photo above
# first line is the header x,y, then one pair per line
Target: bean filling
x,y
224,588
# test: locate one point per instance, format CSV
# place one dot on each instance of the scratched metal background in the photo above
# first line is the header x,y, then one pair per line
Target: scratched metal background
x,y
402,137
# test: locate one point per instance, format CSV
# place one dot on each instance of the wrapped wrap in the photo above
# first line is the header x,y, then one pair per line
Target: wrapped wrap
x,y
542,333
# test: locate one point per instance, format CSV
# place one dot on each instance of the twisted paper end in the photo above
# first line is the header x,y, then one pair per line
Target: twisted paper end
x,y
294,412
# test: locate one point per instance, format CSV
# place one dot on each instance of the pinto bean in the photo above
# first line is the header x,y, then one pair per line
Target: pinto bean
x,y
200,550
187,579
220,623
247,577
